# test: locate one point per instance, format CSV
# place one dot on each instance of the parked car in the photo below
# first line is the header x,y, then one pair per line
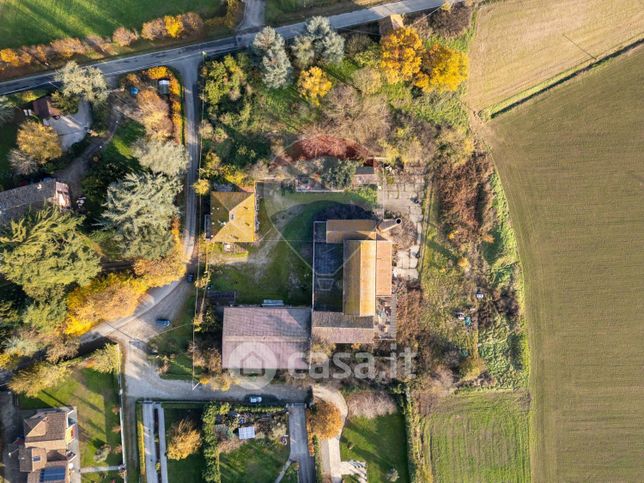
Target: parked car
x,y
190,277
254,399
163,322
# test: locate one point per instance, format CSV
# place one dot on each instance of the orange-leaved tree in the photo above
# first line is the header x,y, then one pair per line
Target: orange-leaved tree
x,y
173,25
324,420
401,55
105,298
314,84
442,69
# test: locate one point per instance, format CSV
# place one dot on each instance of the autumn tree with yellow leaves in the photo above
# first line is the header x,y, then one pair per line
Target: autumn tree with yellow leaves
x,y
173,25
401,55
442,69
314,84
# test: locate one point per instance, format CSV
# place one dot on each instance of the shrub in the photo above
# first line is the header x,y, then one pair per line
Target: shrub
x,y
124,37
314,84
358,43
10,57
155,114
442,69
367,80
184,440
339,174
154,29
401,55
38,141
201,187
106,360
325,421
451,22
22,163
173,26
68,47
370,404
38,377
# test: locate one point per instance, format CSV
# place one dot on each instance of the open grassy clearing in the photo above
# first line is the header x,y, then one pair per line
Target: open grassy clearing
x,y
95,395
26,22
479,436
380,442
571,164
522,44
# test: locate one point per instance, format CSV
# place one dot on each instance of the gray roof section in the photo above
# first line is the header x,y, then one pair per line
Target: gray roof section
x,y
17,202
339,328
266,337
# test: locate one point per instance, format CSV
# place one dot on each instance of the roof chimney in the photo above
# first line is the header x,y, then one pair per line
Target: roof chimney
x,y
386,225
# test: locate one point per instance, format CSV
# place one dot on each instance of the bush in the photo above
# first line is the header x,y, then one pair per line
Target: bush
x,y
38,377
339,174
325,421
184,440
106,360
124,37
451,22
370,404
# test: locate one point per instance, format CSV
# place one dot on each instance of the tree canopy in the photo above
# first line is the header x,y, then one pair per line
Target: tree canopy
x,y
165,157
185,440
84,82
401,55
443,69
7,108
269,50
314,84
139,210
46,251
38,141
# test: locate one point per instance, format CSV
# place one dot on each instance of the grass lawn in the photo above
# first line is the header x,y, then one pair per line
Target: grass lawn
x,y
522,44
284,11
7,141
571,164
258,461
380,442
103,477
190,469
280,266
26,22
479,436
94,394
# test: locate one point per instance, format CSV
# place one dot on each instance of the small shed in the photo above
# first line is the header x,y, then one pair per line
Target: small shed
x,y
247,432
164,86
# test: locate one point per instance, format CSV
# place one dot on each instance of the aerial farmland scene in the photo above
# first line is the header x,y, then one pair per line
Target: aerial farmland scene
x,y
332,241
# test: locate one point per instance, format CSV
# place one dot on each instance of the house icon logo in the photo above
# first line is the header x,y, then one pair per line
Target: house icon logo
x,y
252,364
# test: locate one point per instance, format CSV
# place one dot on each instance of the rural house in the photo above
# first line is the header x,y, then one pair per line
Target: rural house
x,y
352,281
257,338
232,217
71,128
17,202
50,447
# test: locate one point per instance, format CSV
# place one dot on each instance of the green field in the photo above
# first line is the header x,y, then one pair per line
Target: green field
x,y
380,442
571,164
479,436
26,22
284,11
94,394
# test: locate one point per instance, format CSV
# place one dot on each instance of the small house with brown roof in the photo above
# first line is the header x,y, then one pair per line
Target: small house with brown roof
x,y
258,338
50,446
232,216
17,202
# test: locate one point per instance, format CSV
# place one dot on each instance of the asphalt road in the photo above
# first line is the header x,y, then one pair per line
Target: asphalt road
x,y
193,54
299,443
151,457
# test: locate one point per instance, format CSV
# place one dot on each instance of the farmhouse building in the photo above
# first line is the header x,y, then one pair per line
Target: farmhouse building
x,y
256,338
232,217
17,202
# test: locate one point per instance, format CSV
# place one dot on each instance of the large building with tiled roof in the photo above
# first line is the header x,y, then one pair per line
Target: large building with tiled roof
x,y
232,216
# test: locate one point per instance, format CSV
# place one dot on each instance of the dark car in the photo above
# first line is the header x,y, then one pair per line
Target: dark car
x,y
163,322
254,399
190,277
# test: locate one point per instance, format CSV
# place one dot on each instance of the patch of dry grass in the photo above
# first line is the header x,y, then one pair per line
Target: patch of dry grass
x,y
520,44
